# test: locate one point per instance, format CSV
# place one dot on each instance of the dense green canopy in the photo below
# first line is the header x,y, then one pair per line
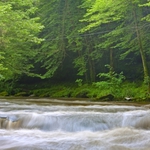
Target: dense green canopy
x,y
19,27
74,39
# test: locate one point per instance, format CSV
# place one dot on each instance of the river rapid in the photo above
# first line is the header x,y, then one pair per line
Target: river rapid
x,y
44,124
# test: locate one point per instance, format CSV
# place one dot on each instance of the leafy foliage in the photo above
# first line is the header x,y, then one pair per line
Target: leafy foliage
x,y
111,81
78,40
79,82
128,33
18,34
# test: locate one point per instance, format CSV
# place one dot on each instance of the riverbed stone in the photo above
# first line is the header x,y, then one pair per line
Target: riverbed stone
x,y
108,97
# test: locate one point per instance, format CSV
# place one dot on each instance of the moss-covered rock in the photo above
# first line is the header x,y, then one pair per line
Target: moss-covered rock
x,y
22,94
83,93
108,97
4,93
42,92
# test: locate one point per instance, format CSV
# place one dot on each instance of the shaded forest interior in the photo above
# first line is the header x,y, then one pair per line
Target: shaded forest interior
x,y
84,48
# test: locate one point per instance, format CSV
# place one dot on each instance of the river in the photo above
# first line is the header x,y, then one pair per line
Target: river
x,y
46,124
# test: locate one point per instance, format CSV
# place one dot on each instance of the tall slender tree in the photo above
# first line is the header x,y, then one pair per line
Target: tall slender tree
x,y
62,40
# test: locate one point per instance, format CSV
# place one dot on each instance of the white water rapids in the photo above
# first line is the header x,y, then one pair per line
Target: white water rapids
x,y
30,125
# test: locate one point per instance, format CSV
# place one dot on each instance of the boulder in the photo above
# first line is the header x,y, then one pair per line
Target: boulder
x,y
12,118
108,97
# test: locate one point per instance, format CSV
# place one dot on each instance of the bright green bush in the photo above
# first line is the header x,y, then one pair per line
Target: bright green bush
x,y
111,82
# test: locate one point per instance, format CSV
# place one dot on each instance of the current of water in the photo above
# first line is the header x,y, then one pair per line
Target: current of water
x,y
56,125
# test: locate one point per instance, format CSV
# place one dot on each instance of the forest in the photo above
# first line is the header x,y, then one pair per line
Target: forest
x,y
93,49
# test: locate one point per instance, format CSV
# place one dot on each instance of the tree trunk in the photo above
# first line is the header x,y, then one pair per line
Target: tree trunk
x,y
90,61
92,70
145,68
111,61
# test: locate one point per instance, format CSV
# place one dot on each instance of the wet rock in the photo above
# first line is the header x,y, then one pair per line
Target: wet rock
x,y
9,118
108,97
128,98
3,117
147,106
12,118
83,94
32,95
22,94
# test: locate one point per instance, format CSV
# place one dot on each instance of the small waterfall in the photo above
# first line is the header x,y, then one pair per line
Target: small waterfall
x,y
60,127
75,121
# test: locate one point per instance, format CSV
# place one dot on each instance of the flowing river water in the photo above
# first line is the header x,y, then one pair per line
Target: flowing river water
x,y
44,124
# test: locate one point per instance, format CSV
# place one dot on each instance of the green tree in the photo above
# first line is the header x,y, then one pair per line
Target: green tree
x,y
53,50
19,28
128,33
62,40
100,16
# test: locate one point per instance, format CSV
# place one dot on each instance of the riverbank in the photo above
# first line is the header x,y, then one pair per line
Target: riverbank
x,y
70,101
133,92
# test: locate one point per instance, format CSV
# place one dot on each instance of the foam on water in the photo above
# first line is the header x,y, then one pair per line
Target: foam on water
x,y
93,127
123,138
